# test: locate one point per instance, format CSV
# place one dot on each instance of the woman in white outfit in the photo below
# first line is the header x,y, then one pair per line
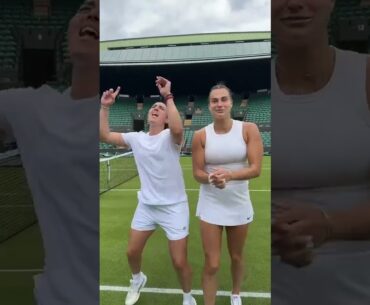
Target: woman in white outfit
x,y
220,154
162,198
321,162
57,137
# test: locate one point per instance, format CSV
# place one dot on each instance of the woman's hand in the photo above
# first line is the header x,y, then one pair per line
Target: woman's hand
x,y
109,96
163,85
296,230
219,177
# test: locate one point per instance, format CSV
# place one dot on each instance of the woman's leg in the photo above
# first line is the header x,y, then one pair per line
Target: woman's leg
x,y
178,252
211,240
136,244
135,249
236,236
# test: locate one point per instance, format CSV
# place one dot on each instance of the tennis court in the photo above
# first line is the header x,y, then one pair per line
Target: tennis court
x,y
116,210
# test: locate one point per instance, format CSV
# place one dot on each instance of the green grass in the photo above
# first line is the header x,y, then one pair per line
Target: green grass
x,y
116,212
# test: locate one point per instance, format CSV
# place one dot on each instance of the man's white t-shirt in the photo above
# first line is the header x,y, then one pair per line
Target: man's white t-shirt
x,y
157,159
58,141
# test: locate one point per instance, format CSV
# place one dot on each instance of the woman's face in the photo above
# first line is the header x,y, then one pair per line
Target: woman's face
x,y
83,33
220,103
297,22
158,114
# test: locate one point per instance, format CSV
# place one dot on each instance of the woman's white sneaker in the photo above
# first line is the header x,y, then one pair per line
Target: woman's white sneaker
x,y
235,299
192,301
133,293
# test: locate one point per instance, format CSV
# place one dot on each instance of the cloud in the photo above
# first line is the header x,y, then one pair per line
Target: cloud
x,y
143,18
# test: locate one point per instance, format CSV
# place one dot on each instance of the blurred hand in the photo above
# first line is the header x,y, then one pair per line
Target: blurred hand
x,y
293,250
163,85
303,219
109,96
296,230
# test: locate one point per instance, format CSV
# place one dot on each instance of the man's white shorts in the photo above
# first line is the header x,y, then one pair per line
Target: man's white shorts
x,y
172,218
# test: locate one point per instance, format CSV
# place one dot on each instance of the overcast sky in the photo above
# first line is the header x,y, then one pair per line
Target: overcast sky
x,y
121,19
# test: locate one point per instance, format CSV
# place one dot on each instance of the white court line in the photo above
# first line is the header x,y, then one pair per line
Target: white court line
x,y
190,190
265,295
20,270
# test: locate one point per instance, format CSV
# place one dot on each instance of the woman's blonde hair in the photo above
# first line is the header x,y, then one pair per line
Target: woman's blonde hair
x,y
220,85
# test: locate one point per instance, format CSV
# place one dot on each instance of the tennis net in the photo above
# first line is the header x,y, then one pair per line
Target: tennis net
x,y
116,170
16,205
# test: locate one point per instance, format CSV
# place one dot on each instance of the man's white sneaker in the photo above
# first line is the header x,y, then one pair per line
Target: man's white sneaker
x,y
191,302
235,299
133,293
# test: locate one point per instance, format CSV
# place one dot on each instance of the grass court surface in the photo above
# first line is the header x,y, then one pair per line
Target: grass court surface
x,y
117,207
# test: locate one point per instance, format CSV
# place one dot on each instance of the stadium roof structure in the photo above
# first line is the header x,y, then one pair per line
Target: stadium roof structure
x,y
186,49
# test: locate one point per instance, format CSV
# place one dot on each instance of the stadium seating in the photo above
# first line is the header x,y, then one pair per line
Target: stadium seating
x,y
188,139
258,111
121,112
266,138
350,8
345,10
19,13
